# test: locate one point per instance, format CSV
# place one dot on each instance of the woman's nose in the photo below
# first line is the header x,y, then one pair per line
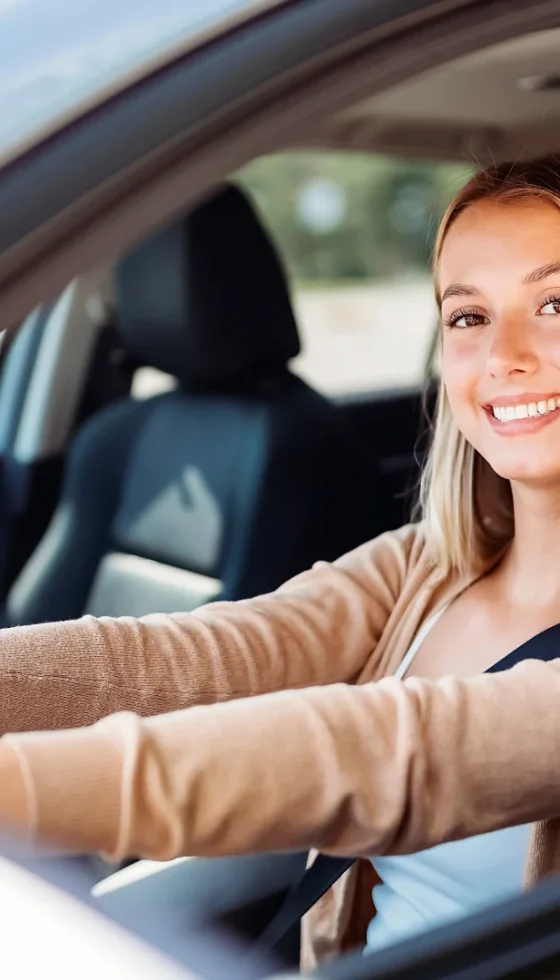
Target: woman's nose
x,y
512,348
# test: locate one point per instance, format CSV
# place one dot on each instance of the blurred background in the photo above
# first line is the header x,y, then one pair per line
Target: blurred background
x,y
356,233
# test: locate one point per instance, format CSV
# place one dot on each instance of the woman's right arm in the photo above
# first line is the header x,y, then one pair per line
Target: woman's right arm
x,y
319,628
384,768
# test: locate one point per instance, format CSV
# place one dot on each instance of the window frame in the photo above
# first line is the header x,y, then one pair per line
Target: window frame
x,y
85,195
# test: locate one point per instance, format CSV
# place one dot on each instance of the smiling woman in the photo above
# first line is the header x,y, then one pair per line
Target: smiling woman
x,y
498,286
56,57
431,753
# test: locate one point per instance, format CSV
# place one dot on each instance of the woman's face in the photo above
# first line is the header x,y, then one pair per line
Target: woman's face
x,y
499,278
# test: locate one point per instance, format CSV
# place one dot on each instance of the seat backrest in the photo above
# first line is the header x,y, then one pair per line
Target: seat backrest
x,y
228,485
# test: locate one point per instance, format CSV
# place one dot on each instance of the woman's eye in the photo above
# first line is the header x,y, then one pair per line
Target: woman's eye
x,y
468,320
550,308
465,319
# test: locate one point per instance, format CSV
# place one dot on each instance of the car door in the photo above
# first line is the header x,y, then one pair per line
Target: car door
x,y
519,940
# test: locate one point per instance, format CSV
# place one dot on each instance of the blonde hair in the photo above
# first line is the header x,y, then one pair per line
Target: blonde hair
x,y
467,508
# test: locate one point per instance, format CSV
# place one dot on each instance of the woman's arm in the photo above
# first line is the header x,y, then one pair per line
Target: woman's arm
x,y
386,767
317,629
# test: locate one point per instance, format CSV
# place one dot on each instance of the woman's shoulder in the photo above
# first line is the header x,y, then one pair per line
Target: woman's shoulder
x,y
405,546
391,558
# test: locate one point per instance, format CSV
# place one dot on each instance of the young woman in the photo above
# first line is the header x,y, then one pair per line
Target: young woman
x,y
286,744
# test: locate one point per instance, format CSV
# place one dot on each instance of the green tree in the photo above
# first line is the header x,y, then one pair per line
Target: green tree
x,y
391,211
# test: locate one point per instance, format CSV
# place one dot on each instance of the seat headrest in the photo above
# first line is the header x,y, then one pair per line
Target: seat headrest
x,y
206,299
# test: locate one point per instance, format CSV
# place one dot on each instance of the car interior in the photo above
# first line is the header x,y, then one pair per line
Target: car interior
x,y
232,470
224,487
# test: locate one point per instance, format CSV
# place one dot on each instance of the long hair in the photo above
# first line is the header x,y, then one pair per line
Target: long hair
x,y
467,508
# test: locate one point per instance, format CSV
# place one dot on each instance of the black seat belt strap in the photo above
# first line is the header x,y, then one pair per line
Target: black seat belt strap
x,y
314,882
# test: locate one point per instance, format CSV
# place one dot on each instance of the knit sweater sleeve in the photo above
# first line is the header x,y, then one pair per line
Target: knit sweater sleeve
x,y
383,767
319,628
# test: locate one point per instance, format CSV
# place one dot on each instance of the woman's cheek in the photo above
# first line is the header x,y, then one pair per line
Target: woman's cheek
x,y
549,348
461,382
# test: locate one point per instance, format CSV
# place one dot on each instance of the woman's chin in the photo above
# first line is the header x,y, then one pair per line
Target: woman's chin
x,y
532,472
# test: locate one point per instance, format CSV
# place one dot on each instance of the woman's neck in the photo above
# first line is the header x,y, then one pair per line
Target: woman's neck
x,y
530,572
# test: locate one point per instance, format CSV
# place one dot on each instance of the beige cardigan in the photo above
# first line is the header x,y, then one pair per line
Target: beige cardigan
x,y
301,750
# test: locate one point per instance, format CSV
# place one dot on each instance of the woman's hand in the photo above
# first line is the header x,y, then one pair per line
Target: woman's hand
x,y
14,809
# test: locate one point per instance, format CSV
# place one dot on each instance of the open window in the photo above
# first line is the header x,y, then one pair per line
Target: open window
x,y
356,231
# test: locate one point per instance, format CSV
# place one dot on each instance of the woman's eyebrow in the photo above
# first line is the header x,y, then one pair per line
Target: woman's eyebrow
x,y
551,269
537,275
461,289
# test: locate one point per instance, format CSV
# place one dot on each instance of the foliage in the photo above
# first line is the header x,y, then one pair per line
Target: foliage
x,y
390,213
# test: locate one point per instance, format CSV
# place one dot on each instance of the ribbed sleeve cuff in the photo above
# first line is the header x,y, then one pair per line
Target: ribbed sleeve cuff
x,y
73,784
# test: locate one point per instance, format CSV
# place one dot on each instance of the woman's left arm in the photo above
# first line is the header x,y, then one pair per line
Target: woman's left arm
x,y
386,767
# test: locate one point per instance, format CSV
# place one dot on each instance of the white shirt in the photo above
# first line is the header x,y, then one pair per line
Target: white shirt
x,y
422,891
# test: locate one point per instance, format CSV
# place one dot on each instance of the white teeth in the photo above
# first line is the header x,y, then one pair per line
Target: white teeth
x,y
510,412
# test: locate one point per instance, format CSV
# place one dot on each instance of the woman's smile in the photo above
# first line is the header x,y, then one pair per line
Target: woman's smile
x,y
515,415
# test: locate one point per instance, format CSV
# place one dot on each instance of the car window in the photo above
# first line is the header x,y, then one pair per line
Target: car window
x,y
55,54
356,232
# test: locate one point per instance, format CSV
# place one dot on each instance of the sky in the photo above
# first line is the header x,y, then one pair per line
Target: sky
x,y
53,52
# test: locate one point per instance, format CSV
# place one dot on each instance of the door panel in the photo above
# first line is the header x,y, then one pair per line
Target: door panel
x,y
239,894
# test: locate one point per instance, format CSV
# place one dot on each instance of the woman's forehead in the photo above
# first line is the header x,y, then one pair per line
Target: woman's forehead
x,y
499,238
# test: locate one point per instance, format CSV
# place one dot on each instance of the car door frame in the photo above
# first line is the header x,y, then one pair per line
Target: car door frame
x,y
86,194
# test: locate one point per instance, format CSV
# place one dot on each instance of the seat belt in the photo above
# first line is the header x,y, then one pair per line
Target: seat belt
x,y
325,870
314,882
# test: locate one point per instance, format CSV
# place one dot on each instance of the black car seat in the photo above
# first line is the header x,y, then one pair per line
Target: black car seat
x,y
224,487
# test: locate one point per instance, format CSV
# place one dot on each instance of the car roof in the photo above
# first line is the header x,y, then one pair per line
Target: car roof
x,y
501,101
